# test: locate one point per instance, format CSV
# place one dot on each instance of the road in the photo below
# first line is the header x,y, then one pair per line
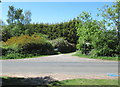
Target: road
x,y
60,64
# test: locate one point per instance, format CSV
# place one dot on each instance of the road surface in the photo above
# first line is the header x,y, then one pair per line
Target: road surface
x,y
59,64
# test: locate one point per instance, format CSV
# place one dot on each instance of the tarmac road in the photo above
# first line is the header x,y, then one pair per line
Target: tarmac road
x,y
61,64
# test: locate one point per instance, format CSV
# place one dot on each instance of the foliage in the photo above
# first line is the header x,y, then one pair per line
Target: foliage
x,y
41,35
112,18
6,33
53,31
97,38
105,43
111,13
14,56
17,21
94,39
86,30
19,24
16,16
79,54
25,44
5,51
62,45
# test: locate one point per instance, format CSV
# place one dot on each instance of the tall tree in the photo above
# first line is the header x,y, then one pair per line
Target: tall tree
x,y
11,15
86,29
27,17
112,14
18,14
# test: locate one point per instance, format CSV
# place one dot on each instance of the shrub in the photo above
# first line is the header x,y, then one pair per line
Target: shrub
x,y
105,44
37,48
41,35
63,46
14,56
29,45
5,51
84,48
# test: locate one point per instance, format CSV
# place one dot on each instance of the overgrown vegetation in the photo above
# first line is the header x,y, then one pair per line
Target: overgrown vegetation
x,y
19,23
26,46
100,38
79,54
91,37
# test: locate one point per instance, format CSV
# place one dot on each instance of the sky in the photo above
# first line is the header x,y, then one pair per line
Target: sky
x,y
54,12
58,0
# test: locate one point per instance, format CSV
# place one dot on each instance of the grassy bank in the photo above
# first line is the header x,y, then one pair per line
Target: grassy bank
x,y
34,82
99,57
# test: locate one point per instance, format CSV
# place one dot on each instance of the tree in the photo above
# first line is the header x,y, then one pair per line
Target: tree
x,y
105,43
17,21
86,30
27,17
112,14
19,16
6,33
94,37
11,15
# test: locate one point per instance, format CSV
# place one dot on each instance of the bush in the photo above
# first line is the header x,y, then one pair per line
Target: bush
x,y
37,48
63,46
85,48
5,51
29,45
105,44
41,35
14,56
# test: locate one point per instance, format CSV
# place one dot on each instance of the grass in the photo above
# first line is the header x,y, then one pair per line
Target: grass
x,y
21,57
99,57
34,81
90,82
5,58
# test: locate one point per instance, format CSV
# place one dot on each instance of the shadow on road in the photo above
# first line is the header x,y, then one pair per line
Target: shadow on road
x,y
29,82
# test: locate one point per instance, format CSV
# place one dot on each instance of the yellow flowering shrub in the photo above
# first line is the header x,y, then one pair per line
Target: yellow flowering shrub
x,y
29,44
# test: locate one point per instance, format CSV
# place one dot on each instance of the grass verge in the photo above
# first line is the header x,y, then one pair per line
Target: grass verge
x,y
6,58
90,82
99,57
22,56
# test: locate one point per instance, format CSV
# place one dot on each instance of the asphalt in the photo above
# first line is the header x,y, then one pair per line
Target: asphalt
x,y
61,64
